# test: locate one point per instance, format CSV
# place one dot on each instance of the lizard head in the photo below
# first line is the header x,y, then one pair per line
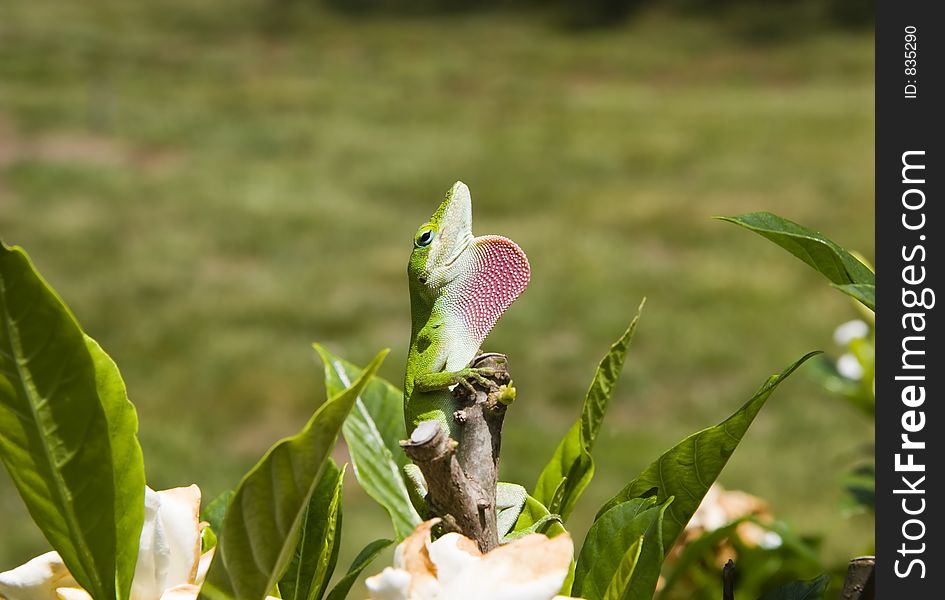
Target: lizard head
x,y
440,243
478,278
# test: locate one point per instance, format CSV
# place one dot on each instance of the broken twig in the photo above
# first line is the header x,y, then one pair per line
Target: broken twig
x,y
859,584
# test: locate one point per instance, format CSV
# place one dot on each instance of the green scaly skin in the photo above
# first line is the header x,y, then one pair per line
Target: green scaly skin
x,y
459,286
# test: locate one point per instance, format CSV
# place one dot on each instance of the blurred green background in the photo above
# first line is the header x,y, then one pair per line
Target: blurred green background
x,y
213,185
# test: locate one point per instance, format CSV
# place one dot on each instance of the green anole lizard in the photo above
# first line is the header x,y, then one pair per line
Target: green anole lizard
x,y
459,287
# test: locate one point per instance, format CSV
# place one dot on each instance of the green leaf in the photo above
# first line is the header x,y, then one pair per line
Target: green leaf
x,y
829,259
535,518
127,464
373,432
538,526
208,539
571,468
628,564
688,469
800,590
573,455
68,434
607,545
864,292
215,510
261,527
319,540
363,559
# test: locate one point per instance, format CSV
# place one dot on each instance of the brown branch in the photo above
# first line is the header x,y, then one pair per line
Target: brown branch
x,y
859,584
461,475
480,417
450,494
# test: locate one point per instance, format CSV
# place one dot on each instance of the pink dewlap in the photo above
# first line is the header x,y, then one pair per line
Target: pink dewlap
x,y
498,277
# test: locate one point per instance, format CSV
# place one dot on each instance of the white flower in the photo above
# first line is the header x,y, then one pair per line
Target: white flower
x,y
389,584
169,550
37,579
850,367
168,555
452,568
720,507
770,541
849,331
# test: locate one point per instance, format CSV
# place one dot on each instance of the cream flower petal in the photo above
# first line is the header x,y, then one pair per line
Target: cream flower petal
x,y
204,565
411,556
530,568
37,579
188,591
451,554
389,584
169,550
72,593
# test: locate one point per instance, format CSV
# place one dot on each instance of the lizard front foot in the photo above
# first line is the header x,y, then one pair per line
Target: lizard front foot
x,y
478,374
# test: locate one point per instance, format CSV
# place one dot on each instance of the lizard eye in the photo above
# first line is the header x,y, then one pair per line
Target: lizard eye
x,y
424,238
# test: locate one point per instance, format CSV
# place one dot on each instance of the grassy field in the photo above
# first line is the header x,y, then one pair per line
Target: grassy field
x,y
212,186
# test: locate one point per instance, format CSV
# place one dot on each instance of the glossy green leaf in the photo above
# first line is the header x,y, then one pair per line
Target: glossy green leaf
x,y
800,590
829,259
261,527
621,580
539,526
362,560
688,469
127,464
208,539
534,518
319,540
373,432
571,468
68,434
864,292
609,540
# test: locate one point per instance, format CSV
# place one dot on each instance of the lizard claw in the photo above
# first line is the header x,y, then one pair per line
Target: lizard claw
x,y
464,381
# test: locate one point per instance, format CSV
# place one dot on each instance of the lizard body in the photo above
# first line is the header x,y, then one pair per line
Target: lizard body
x,y
459,287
